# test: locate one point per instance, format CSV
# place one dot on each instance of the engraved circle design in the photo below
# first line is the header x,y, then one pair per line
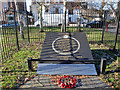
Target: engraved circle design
x,y
66,45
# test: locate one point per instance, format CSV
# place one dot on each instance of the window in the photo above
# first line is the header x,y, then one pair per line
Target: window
x,y
8,4
47,1
56,1
46,9
57,11
61,11
10,14
0,17
11,18
4,5
70,12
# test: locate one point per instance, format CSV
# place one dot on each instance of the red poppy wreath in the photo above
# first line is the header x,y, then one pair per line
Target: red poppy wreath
x,y
67,82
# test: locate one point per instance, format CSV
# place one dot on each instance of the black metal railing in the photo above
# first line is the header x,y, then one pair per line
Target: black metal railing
x,y
11,40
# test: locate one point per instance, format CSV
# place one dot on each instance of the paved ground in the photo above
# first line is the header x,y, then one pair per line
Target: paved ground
x,y
41,81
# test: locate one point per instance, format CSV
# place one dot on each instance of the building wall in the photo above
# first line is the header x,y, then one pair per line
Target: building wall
x,y
21,6
0,6
51,14
0,12
54,14
7,9
35,12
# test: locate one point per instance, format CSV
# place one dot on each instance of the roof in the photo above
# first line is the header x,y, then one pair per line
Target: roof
x,y
76,5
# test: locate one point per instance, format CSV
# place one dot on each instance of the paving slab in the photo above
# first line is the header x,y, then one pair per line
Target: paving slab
x,y
66,69
86,82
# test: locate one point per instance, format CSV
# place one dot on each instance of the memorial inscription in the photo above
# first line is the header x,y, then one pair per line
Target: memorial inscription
x,y
65,46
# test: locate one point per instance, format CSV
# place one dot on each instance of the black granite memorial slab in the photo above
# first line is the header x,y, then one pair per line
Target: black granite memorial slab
x,y
66,46
66,69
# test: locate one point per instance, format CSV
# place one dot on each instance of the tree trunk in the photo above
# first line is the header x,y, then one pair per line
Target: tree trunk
x,y
101,9
63,28
41,19
21,28
19,21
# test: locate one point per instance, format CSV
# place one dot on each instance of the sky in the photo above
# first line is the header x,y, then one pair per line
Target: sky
x,y
28,4
97,1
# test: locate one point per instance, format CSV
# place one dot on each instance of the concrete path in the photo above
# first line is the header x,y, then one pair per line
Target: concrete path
x,y
42,81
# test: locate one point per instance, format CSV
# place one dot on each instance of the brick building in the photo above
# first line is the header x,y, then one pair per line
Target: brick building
x,y
7,11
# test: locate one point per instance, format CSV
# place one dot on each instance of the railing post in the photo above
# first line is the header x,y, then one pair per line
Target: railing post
x,y
41,19
29,64
27,26
19,20
1,41
79,28
117,28
79,20
63,28
102,65
65,22
2,37
119,48
104,23
17,43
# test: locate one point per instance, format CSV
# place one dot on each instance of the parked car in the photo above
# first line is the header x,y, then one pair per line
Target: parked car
x,y
10,24
94,24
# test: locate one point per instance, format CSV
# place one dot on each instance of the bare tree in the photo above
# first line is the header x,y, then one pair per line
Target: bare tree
x,y
40,14
110,7
101,8
19,20
115,11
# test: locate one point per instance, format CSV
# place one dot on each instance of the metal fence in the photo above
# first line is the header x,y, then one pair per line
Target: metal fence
x,y
31,29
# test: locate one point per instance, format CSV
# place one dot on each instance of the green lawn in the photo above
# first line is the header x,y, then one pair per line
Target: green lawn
x,y
15,69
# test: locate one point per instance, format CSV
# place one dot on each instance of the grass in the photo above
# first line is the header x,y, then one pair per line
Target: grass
x,y
9,37
112,75
15,69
